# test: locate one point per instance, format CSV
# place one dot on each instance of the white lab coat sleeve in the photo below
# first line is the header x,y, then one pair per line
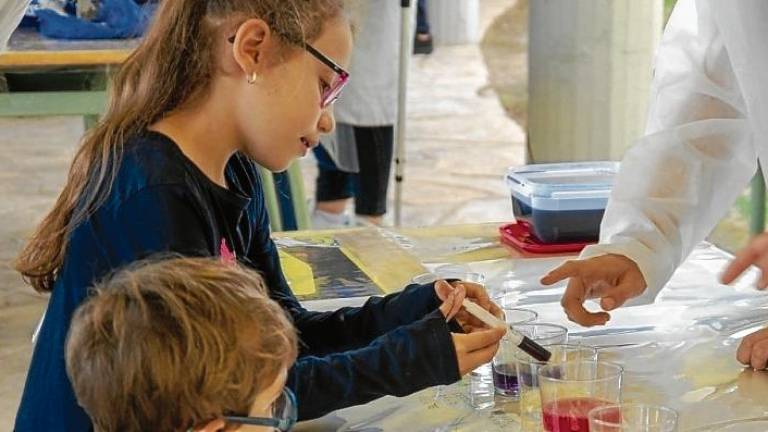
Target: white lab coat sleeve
x,y
697,155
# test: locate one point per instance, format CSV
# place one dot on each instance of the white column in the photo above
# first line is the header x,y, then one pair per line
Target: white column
x,y
454,22
590,68
11,13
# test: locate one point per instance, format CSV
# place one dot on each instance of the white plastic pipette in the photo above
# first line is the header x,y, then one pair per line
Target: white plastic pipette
x,y
523,342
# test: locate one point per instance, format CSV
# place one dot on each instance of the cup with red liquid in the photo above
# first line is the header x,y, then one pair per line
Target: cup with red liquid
x,y
570,390
633,418
527,375
504,369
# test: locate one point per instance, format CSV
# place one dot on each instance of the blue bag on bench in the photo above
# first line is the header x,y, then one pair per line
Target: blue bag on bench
x,y
94,19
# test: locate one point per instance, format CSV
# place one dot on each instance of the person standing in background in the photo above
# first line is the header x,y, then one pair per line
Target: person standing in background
x,y
356,160
422,43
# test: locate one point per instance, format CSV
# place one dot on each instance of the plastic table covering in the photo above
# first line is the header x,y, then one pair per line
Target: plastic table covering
x,y
678,352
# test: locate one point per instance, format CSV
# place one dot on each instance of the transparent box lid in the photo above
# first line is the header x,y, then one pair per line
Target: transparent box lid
x,y
543,184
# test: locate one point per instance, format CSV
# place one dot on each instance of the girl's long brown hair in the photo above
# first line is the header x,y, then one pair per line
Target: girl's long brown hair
x,y
173,64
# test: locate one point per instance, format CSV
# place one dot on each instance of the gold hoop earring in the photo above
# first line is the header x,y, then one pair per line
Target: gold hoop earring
x,y
252,78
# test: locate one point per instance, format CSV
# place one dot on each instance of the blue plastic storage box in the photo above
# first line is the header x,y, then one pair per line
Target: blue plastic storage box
x,y
562,202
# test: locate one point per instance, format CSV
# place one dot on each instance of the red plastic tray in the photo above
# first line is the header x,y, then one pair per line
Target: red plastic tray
x,y
519,235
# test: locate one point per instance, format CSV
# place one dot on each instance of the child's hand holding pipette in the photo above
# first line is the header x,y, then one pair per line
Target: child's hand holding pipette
x,y
494,323
454,295
480,343
451,297
477,348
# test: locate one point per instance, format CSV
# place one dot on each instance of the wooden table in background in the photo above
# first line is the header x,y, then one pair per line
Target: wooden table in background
x,y
30,53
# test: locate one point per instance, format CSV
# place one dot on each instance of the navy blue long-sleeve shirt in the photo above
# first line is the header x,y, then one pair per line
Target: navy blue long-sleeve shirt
x,y
161,202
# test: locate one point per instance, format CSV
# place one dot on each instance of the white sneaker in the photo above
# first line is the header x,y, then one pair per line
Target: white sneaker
x,y
325,220
362,222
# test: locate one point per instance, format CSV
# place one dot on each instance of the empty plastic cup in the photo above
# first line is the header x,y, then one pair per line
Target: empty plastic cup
x,y
450,271
633,418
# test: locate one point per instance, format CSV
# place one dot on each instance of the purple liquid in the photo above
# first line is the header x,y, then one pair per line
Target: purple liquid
x,y
505,380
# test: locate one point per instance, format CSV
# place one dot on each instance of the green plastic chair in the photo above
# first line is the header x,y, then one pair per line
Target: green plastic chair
x,y
298,200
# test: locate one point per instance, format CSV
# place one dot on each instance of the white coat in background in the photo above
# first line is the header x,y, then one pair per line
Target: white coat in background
x,y
707,127
370,98
11,13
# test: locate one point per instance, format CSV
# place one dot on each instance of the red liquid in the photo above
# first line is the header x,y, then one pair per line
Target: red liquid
x,y
569,415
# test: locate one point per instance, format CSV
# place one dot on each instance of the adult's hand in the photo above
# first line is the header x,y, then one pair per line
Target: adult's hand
x,y
756,253
753,350
614,279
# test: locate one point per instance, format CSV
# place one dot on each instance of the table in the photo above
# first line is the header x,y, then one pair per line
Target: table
x,y
28,49
678,352
29,52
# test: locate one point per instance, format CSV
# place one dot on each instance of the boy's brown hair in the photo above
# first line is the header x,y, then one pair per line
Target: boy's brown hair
x,y
172,344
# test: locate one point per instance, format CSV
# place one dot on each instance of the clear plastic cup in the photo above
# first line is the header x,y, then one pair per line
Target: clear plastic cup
x,y
473,277
424,278
450,271
481,390
519,316
505,300
527,375
570,390
633,418
504,369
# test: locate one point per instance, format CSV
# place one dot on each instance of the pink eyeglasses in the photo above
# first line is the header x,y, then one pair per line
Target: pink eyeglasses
x,y
330,93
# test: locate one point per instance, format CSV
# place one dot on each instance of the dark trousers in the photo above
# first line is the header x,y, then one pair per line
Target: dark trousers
x,y
422,23
369,187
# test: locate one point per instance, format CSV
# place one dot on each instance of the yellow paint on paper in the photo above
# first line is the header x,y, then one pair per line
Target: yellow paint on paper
x,y
299,274
388,265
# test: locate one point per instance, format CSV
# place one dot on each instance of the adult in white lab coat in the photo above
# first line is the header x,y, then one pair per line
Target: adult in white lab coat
x,y
11,13
706,131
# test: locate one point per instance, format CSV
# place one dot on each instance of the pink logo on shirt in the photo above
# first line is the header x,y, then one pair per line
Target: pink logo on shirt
x,y
226,255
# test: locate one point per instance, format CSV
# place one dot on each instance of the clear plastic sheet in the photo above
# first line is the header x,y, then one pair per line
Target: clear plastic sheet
x,y
678,352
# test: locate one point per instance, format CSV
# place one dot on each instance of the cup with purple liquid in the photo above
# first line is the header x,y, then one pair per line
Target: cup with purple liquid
x,y
505,378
